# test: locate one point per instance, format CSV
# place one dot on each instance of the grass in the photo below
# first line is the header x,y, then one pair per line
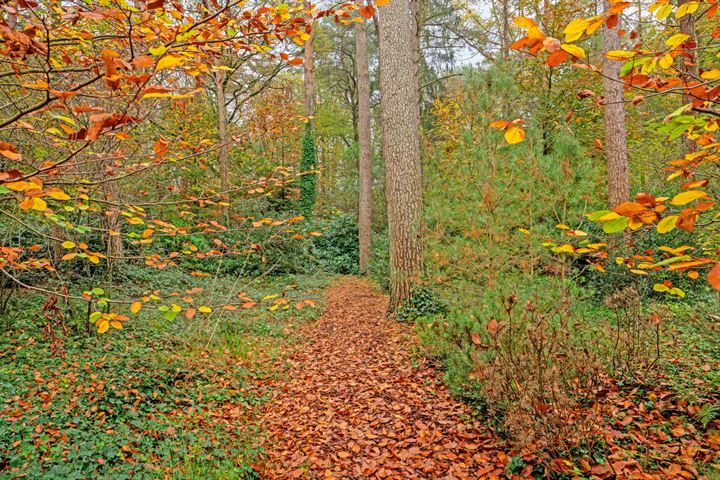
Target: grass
x,y
158,399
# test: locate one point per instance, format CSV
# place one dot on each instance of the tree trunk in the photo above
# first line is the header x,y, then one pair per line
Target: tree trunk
x,y
505,31
401,148
309,70
114,246
415,19
222,134
56,251
615,133
365,169
688,66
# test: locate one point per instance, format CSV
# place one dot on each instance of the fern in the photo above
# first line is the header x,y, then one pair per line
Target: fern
x,y
708,413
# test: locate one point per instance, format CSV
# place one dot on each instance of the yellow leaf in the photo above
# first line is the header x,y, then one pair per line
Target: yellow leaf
x,y
169,61
664,12
21,186
608,217
573,50
94,259
524,22
58,195
711,74
68,244
619,55
104,326
116,324
667,224
157,51
575,29
686,9
204,309
666,61
687,197
514,135
381,3
676,39
677,291
135,307
39,204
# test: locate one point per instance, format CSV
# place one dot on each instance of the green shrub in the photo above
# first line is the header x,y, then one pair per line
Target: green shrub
x,y
424,302
308,182
337,249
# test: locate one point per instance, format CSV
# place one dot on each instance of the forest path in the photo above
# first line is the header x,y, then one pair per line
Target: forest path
x,y
354,406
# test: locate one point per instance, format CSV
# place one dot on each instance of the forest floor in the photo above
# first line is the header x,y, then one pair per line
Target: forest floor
x,y
283,393
356,399
357,403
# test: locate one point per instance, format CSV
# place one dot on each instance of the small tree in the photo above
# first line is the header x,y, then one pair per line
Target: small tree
x,y
308,181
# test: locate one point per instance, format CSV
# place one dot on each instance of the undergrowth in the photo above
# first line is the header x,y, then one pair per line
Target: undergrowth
x,y
158,399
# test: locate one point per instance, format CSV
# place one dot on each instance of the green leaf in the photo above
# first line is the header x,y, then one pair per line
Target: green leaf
x,y
668,261
615,226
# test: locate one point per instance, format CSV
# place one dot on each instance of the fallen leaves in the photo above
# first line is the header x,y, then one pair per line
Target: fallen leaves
x,y
355,406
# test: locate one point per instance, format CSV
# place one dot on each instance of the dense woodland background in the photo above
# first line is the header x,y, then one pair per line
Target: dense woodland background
x,y
182,180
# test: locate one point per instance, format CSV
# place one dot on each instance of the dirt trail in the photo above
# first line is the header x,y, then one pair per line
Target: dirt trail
x,y
354,406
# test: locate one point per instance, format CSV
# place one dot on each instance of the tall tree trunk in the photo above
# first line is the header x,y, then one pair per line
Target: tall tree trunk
x,y
505,30
365,169
615,133
688,66
309,69
415,19
56,251
401,148
114,246
222,134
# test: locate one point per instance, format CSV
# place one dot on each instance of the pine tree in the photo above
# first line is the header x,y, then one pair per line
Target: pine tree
x,y
308,182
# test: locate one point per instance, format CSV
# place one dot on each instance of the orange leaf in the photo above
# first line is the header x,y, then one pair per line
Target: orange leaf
x,y
557,58
713,277
367,11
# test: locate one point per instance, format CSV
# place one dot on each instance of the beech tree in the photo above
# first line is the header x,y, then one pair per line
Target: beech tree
x,y
615,133
400,121
365,169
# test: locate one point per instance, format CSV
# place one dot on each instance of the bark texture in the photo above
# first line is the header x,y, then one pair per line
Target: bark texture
x,y
113,240
222,133
688,66
364,133
401,148
615,133
309,71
